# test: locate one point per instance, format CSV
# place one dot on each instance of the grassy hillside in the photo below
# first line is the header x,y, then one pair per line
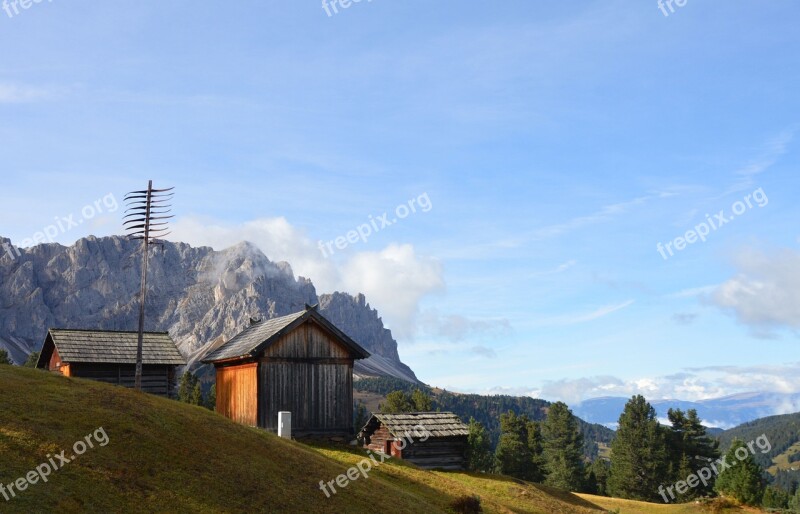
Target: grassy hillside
x,y
164,456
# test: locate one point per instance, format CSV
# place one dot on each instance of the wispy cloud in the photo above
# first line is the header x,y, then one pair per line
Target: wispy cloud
x,y
575,318
773,150
456,327
15,93
693,292
684,318
561,268
605,213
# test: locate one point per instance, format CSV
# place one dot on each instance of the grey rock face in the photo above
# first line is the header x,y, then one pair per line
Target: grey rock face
x,y
356,318
196,294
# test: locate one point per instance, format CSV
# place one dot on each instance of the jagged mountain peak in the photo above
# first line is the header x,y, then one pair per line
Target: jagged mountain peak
x,y
196,293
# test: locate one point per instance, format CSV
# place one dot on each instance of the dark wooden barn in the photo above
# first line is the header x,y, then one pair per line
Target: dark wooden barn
x,y
428,439
109,356
299,363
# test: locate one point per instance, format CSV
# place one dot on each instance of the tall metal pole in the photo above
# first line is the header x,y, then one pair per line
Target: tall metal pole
x,y
145,243
147,223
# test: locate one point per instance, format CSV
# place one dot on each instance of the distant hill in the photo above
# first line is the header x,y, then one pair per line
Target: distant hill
x,y
164,456
197,294
783,432
725,412
487,409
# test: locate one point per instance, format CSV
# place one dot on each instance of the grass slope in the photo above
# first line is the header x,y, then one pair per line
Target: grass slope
x,y
164,456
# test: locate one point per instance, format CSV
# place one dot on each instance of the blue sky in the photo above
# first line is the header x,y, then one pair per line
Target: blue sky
x,y
553,144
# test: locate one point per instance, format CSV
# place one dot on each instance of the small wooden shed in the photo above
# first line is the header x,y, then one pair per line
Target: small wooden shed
x,y
428,439
110,356
299,363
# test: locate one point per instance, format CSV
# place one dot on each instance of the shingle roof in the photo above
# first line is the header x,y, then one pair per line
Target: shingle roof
x,y
258,336
114,347
434,424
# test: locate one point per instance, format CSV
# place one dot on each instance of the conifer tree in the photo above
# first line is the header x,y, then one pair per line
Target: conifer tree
x,y
4,358
186,387
397,402
638,454
741,479
211,399
512,455
690,450
421,401
479,448
33,359
563,449
536,448
197,394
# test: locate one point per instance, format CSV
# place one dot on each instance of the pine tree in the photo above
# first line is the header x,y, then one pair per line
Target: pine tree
x,y
597,477
359,415
512,455
421,401
32,360
742,478
536,448
186,387
690,450
775,498
479,448
211,399
397,402
4,358
638,454
563,449
794,501
197,394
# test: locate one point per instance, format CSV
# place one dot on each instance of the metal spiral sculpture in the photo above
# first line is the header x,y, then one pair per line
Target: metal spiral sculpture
x,y
147,211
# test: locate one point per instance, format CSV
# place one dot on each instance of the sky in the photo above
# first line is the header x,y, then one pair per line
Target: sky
x,y
562,199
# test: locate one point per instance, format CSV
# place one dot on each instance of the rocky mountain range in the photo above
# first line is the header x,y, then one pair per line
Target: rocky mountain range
x,y
196,294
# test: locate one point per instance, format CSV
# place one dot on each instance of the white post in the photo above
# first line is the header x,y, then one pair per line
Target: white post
x,y
285,424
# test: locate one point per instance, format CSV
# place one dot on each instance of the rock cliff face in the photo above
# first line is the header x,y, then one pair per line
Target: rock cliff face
x,y
196,294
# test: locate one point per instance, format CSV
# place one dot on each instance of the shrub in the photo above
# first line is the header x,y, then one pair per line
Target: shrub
x,y
467,505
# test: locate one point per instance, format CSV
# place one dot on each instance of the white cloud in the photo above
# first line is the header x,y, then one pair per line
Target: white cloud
x,y
693,384
765,294
394,280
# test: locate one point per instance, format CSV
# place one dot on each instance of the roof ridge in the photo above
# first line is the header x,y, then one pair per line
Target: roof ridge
x,y
105,331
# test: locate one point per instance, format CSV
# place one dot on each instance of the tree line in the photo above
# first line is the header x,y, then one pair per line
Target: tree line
x,y
486,409
651,462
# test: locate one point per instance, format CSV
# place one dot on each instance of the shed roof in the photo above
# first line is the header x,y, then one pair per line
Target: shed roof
x,y
258,336
111,347
417,424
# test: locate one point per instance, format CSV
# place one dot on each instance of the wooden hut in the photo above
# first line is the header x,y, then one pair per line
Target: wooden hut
x,y
428,439
299,363
109,356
